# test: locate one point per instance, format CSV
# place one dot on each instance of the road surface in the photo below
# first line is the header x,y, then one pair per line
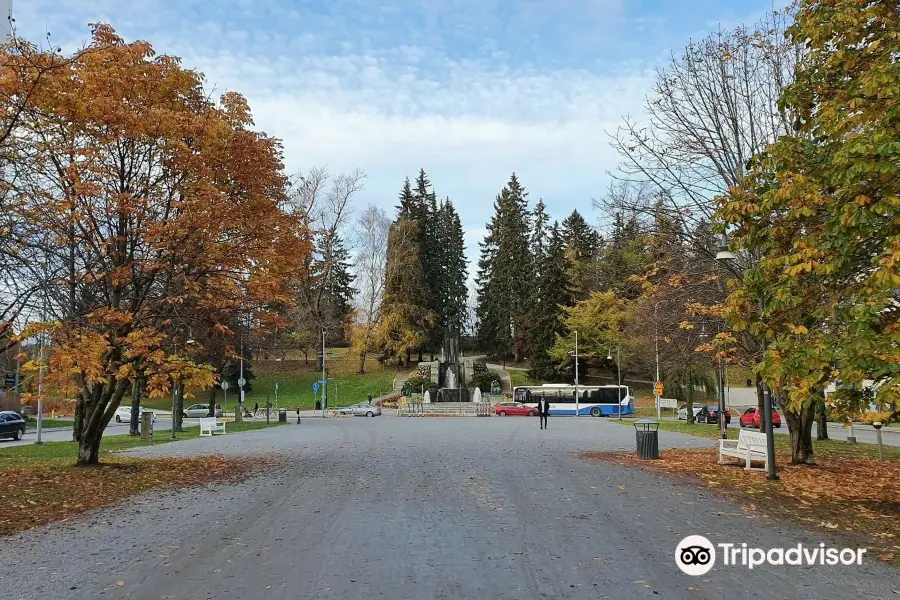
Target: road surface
x,y
404,508
56,434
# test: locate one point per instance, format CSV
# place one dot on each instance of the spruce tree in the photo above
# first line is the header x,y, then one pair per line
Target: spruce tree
x,y
554,292
504,275
454,268
405,208
582,245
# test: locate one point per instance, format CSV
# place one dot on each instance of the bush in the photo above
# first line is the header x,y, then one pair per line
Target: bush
x,y
483,381
414,385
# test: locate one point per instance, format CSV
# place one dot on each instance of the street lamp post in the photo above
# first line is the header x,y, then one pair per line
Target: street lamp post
x,y
618,376
656,343
575,354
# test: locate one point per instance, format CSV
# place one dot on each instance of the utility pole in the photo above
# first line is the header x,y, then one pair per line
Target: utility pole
x,y
324,380
576,373
656,342
619,370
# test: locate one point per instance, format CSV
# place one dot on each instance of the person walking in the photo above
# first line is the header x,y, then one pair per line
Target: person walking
x,y
543,410
255,408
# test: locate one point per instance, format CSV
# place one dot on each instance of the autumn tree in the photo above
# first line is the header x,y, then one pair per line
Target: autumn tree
x,y
143,196
819,208
371,233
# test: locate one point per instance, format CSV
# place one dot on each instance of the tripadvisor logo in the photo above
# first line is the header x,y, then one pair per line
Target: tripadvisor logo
x,y
696,555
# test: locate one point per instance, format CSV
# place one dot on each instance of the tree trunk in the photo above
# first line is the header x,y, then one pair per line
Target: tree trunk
x,y
306,357
821,421
420,353
408,355
179,407
800,425
362,363
79,419
89,447
690,399
212,402
761,401
134,425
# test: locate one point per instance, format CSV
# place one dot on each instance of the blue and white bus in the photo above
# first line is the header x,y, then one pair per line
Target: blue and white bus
x,y
594,400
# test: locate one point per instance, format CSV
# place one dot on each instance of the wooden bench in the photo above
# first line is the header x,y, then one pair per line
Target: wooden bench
x,y
750,446
210,426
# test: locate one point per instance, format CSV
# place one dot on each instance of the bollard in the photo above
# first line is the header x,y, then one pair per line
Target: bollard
x,y
877,425
850,437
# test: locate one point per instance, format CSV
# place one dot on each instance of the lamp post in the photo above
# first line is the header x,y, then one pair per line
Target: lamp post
x,y
619,377
724,255
575,354
656,344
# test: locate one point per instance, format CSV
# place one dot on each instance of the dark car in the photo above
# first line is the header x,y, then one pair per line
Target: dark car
x,y
12,425
710,414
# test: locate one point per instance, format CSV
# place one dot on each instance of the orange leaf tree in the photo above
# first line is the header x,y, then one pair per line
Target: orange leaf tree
x,y
821,207
143,204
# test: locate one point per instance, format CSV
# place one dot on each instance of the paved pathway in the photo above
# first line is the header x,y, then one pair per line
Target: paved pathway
x,y
421,508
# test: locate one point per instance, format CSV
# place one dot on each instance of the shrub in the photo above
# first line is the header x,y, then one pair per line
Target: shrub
x,y
483,381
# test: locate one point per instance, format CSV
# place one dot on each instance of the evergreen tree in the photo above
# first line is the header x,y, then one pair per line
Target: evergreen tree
x,y
454,270
554,290
339,290
405,208
626,254
539,238
504,275
582,245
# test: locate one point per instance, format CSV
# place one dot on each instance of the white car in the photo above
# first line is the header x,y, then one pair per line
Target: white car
x,y
682,411
123,413
198,411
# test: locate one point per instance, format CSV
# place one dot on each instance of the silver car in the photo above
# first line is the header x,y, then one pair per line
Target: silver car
x,y
198,411
363,409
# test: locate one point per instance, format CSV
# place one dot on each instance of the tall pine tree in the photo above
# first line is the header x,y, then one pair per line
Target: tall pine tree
x,y
554,291
582,243
504,275
453,269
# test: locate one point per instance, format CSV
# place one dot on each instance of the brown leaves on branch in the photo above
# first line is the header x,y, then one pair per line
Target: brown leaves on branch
x,y
41,494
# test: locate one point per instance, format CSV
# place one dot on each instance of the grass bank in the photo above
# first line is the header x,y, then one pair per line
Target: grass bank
x,y
41,484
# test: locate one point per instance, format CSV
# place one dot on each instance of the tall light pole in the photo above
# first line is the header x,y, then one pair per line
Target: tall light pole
x,y
619,376
324,380
575,354
656,343
724,255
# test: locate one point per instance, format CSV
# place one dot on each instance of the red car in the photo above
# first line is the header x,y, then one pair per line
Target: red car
x,y
514,409
752,417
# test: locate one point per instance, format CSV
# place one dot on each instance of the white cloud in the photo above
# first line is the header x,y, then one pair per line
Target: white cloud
x,y
469,120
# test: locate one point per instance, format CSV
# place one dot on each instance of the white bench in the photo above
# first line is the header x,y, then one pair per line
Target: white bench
x,y
210,425
749,446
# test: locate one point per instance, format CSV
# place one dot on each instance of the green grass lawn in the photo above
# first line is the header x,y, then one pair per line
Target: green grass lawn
x,y
295,389
66,452
46,422
823,448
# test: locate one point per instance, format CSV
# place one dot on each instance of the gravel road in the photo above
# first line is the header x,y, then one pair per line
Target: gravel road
x,y
418,509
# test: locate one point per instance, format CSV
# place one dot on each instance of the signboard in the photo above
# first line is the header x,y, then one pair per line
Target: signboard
x,y
658,389
316,388
224,385
668,403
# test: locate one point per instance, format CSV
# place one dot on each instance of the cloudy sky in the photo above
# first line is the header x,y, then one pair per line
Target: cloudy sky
x,y
471,90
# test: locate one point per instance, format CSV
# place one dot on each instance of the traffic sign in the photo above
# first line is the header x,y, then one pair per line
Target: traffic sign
x,y
316,388
224,385
658,389
242,382
323,381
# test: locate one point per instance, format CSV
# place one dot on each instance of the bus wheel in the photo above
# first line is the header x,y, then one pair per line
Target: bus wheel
x,y
595,412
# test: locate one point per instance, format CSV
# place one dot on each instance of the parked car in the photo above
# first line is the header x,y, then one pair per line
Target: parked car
x,y
682,411
710,414
12,425
363,409
197,411
752,417
515,409
123,413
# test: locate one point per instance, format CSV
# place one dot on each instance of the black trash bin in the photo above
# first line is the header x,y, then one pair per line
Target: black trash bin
x,y
282,416
318,405
647,437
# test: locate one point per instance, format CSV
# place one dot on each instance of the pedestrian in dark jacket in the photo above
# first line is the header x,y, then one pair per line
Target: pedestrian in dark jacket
x,y
543,410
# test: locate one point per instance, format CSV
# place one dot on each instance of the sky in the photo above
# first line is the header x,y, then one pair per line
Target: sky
x,y
469,90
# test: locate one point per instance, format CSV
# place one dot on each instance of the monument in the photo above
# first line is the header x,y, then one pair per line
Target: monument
x,y
450,381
